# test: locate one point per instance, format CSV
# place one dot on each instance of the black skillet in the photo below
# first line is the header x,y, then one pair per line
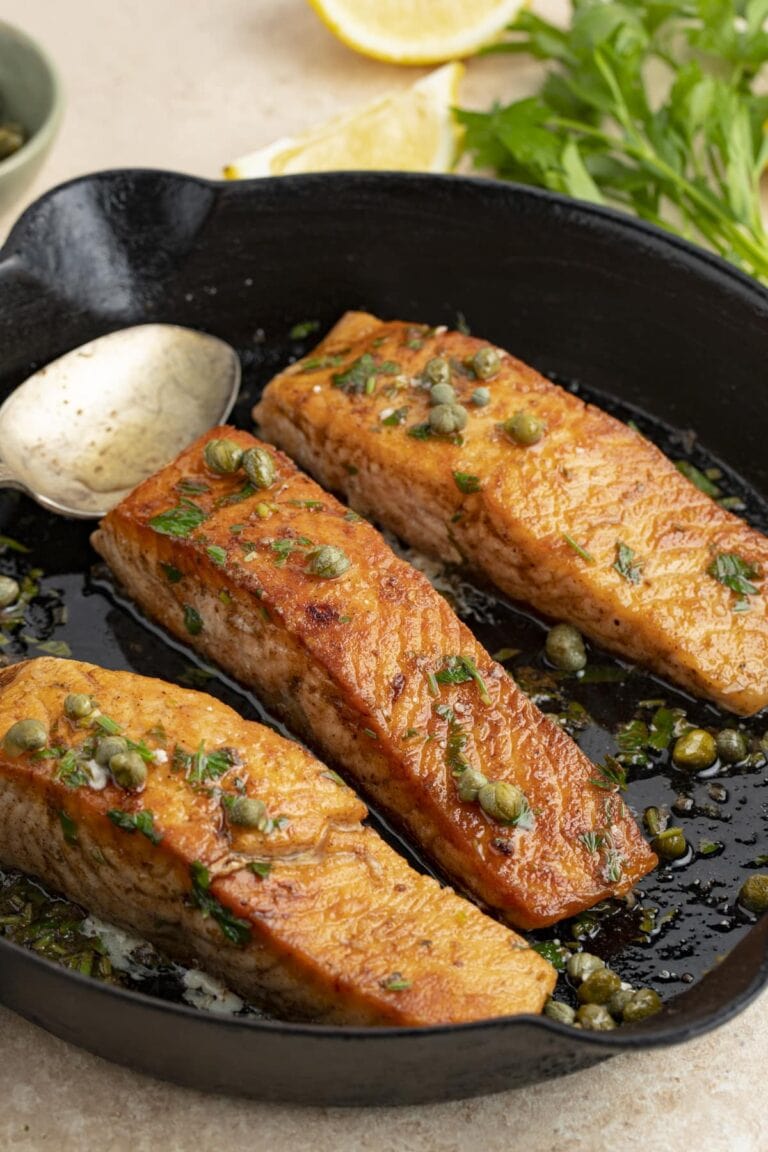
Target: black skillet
x,y
651,324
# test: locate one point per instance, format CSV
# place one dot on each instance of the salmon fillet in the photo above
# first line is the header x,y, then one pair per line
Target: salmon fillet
x,y
592,524
310,913
372,668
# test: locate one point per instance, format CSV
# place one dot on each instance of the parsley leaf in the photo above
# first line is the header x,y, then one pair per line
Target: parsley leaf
x,y
193,621
467,483
624,565
303,329
578,549
217,554
237,931
730,570
179,521
360,376
143,821
171,573
460,669
395,418
697,478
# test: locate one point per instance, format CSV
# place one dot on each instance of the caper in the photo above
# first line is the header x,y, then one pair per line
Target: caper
x,y
754,893
644,1002
655,820
328,562
223,456
557,1010
583,964
670,844
259,467
438,371
128,770
595,1018
246,813
25,736
469,784
486,363
107,747
599,987
524,428
731,745
695,749
445,419
619,1001
481,397
502,801
565,648
9,591
441,394
77,705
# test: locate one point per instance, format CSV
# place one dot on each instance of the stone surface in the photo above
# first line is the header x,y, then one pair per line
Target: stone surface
x,y
190,84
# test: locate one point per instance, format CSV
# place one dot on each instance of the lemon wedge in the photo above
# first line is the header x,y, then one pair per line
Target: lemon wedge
x,y
412,130
416,31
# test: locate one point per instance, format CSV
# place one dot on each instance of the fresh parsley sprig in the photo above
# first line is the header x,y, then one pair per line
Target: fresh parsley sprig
x,y
691,163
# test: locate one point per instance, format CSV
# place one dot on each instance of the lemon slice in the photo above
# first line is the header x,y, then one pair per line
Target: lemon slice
x,y
413,130
416,31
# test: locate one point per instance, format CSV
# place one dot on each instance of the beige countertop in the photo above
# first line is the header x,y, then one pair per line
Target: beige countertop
x,y
190,84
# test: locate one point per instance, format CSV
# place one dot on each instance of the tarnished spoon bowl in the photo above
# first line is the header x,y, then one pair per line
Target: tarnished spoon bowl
x,y
79,434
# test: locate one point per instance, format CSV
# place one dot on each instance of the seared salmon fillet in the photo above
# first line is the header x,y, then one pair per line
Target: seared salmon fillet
x,y
591,523
302,600
290,900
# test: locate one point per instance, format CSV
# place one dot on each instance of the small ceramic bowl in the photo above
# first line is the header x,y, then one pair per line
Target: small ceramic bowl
x,y
30,93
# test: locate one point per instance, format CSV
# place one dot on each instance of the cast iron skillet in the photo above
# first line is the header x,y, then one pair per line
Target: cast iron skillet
x,y
583,293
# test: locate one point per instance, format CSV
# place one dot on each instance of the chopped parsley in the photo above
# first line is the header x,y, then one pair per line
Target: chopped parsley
x,y
193,621
303,329
578,549
68,827
237,931
420,431
555,953
319,363
396,983
467,483
217,554
108,725
243,493
261,868
200,765
397,417
192,487
697,478
360,376
625,565
592,841
143,822
612,776
460,669
179,521
284,547
171,573
312,504
730,570
70,771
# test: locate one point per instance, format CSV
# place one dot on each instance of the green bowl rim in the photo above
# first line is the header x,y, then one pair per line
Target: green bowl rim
x,y
44,135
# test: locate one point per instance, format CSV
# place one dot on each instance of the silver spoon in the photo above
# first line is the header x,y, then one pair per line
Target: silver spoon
x,y
79,434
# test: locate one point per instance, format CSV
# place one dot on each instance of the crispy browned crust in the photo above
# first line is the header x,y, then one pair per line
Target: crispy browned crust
x,y
349,663
329,929
591,478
